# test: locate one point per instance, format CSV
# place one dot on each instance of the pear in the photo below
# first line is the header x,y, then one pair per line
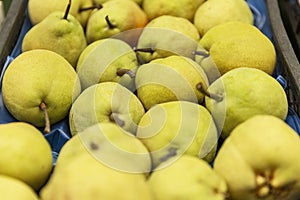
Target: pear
x,y
107,60
87,178
12,188
260,160
214,12
59,32
115,17
106,102
18,157
187,178
179,8
39,10
109,144
242,93
168,79
39,87
167,35
236,44
170,130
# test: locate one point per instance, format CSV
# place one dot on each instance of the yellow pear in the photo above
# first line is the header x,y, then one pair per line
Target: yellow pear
x,y
178,8
13,189
260,160
59,32
116,16
86,178
39,87
38,10
188,178
110,145
169,79
107,60
242,93
25,154
214,12
106,102
167,35
172,129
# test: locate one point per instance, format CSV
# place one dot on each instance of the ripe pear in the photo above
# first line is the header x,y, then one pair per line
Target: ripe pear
x,y
168,79
87,178
38,10
193,179
226,30
172,129
167,35
12,188
214,12
260,160
39,87
242,93
25,154
242,46
115,17
179,8
110,145
107,60
106,102
59,32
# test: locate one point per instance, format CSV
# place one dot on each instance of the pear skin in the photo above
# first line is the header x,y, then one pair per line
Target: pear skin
x,y
273,172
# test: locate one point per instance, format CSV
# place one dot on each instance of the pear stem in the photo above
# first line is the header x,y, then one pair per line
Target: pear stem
x,y
114,118
109,24
122,71
97,6
67,10
43,107
146,50
216,97
201,53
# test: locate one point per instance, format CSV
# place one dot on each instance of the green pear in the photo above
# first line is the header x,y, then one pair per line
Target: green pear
x,y
167,35
229,48
25,154
111,145
38,10
59,32
106,102
179,8
242,93
214,12
115,17
172,129
87,178
260,160
107,60
39,87
187,178
12,188
168,79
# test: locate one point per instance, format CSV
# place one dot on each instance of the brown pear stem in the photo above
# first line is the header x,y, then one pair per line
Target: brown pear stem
x,y
146,50
114,118
201,53
122,71
43,107
67,10
139,58
95,6
216,97
109,24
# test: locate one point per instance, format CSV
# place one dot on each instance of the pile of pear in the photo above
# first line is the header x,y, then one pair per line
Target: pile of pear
x,y
164,99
